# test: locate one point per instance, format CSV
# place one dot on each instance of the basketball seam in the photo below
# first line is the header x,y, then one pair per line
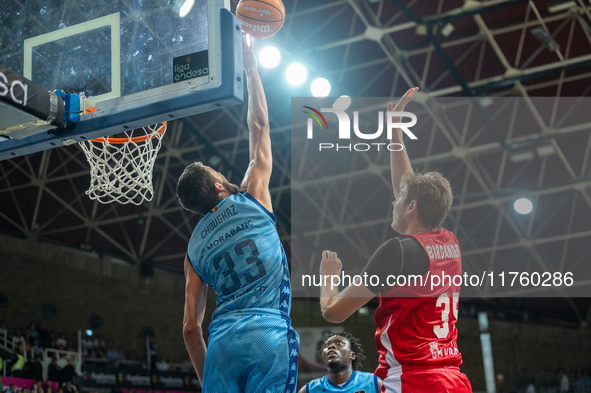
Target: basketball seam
x,y
270,5
259,20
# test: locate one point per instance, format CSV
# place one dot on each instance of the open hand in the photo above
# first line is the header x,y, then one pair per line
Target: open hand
x,y
403,101
330,265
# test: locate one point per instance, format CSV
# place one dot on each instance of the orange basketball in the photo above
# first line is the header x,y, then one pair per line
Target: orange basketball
x,y
261,18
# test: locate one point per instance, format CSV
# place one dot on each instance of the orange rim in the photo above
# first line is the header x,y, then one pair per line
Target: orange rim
x,y
136,139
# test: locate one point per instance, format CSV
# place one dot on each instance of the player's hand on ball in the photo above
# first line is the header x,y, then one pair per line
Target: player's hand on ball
x,y
250,60
330,265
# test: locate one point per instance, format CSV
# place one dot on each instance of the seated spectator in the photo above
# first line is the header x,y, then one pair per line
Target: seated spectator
x,y
61,341
530,388
563,381
18,338
68,372
87,346
34,369
37,348
1,385
54,371
52,340
38,387
162,365
18,363
99,342
25,390
12,388
68,387
49,389
113,356
43,336
33,333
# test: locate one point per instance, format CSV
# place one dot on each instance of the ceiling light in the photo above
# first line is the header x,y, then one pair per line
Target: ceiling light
x,y
447,30
296,74
523,206
546,39
521,155
320,87
561,5
270,57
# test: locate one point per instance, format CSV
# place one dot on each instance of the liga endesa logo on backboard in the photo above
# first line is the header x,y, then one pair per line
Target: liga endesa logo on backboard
x,y
344,134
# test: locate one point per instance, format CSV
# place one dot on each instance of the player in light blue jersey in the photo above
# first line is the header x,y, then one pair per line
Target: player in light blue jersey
x,y
343,356
236,250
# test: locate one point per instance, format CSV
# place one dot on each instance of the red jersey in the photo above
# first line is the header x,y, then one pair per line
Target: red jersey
x,y
415,324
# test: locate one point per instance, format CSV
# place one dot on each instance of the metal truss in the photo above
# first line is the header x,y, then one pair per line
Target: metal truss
x,y
373,49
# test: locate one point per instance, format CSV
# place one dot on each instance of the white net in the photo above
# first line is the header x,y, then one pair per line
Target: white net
x,y
121,168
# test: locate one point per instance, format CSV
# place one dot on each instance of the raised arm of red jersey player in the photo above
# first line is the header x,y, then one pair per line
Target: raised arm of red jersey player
x,y
399,161
337,306
258,174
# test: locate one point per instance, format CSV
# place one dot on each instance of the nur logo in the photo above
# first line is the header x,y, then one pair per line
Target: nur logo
x,y
345,128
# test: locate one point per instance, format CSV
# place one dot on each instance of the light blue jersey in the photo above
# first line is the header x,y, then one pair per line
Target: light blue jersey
x,y
236,250
359,382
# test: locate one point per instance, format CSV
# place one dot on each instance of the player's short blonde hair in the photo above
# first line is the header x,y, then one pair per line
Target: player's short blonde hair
x,y
433,195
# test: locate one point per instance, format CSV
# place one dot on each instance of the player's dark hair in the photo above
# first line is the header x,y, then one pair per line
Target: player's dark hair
x,y
195,189
357,363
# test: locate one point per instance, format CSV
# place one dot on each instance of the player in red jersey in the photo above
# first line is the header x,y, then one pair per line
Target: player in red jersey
x,y
415,322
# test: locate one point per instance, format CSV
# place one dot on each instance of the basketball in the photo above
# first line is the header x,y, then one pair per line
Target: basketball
x,y
261,19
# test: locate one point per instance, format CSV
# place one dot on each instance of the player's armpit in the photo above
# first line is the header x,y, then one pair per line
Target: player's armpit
x,y
341,306
195,302
256,183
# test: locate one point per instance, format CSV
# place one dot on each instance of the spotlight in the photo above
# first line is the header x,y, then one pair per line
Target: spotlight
x,y
186,8
270,57
523,206
296,74
320,87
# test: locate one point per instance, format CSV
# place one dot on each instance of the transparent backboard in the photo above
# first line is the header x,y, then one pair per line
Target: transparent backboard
x,y
102,48
137,61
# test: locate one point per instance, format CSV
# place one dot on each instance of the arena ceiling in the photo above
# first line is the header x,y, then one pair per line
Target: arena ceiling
x,y
373,49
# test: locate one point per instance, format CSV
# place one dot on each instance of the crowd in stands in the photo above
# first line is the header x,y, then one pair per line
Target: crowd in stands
x,y
549,381
35,338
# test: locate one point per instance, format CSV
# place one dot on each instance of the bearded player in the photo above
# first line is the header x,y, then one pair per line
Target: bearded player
x,y
343,357
415,325
236,250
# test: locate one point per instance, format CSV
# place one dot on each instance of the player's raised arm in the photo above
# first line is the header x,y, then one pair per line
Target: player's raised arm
x,y
337,306
195,300
258,174
399,161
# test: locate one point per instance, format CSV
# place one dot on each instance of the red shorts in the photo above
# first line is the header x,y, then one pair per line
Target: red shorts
x,y
428,380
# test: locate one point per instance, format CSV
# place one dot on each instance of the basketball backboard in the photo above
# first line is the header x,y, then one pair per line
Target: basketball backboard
x,y
138,62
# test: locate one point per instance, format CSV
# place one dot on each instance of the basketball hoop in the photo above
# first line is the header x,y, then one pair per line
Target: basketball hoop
x,y
121,168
